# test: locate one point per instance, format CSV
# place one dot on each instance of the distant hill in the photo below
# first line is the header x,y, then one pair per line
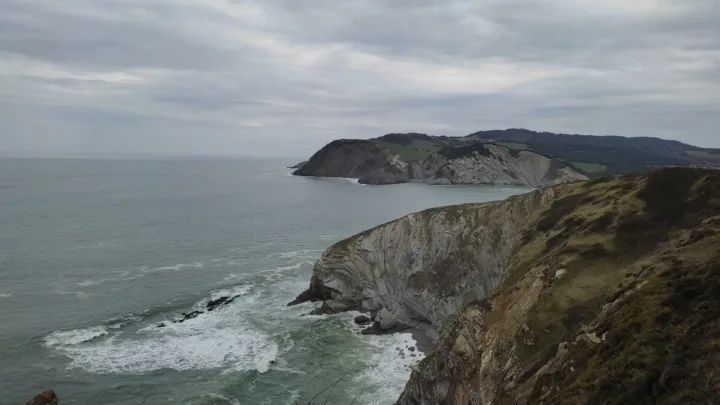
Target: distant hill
x,y
590,155
600,155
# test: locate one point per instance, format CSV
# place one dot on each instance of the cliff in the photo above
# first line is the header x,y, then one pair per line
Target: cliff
x,y
589,155
423,268
359,159
495,164
602,292
374,162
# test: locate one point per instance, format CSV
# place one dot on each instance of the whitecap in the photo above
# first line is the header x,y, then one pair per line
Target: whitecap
x,y
74,337
388,371
297,254
5,295
88,283
175,267
221,339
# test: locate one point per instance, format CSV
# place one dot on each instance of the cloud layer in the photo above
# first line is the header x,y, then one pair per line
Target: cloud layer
x,y
283,77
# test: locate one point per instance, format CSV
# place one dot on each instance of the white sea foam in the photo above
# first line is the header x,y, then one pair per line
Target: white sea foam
x,y
387,371
175,267
219,339
5,295
297,254
88,283
74,337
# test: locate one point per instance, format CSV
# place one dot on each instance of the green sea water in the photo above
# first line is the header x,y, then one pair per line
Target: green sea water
x,y
95,254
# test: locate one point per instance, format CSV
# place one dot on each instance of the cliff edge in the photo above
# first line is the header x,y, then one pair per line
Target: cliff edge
x,y
374,162
601,292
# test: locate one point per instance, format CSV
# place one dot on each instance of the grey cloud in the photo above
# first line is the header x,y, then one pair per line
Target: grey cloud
x,y
218,76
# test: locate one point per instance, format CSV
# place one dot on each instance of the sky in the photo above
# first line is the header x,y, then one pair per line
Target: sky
x,y
284,77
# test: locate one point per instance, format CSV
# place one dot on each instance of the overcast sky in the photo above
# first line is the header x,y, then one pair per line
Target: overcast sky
x,y
284,77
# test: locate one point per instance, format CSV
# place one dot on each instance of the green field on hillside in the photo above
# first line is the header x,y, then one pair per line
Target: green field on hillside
x,y
514,145
417,150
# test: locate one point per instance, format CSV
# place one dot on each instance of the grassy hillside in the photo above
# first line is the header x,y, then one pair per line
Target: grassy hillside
x,y
597,156
612,297
410,146
632,280
594,156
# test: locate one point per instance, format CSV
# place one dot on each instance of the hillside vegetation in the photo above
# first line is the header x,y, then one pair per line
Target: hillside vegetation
x,y
612,296
594,156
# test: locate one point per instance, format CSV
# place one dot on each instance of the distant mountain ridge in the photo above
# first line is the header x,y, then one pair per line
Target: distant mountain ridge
x,y
401,157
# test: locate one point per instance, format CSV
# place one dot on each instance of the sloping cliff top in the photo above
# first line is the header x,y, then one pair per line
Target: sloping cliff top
x,y
611,297
593,156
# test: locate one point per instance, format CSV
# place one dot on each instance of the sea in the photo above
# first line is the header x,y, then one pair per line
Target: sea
x,y
96,254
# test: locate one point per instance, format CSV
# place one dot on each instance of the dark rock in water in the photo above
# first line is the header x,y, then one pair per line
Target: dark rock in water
x,y
222,301
330,307
413,355
362,320
162,325
316,292
216,303
188,316
375,329
412,348
46,397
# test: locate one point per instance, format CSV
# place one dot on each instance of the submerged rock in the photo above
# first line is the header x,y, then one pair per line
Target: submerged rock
x,y
46,397
362,320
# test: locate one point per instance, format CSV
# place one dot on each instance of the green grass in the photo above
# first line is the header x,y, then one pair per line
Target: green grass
x,y
418,150
589,167
514,145
703,154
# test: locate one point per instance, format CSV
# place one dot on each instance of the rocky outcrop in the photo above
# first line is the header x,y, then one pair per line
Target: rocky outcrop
x,y
475,163
359,159
298,165
46,397
612,297
599,293
494,164
421,269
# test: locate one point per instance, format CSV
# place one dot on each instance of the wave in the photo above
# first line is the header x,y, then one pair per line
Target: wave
x,y
88,283
387,370
5,295
174,267
297,254
221,339
273,274
75,337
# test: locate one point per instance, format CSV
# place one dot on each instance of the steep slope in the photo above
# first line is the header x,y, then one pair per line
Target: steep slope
x,y
592,156
611,297
375,162
493,164
602,155
356,159
424,267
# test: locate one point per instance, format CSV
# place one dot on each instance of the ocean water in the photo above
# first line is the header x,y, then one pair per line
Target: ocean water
x,y
95,254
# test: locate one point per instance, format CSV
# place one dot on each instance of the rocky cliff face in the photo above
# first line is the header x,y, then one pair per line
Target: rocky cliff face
x,y
493,164
355,159
603,292
471,164
612,297
423,268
